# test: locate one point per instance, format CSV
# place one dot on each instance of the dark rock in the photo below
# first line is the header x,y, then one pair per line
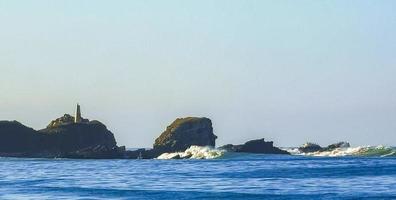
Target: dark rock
x,y
310,147
76,136
97,152
176,157
59,139
336,146
179,136
139,154
255,146
230,147
16,138
187,156
185,132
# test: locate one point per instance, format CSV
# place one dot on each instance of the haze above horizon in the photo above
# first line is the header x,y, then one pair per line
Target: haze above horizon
x,y
288,71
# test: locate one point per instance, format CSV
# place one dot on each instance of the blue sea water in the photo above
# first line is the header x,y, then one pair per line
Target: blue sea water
x,y
234,176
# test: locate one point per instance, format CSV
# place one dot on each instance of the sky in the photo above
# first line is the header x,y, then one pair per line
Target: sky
x,y
288,71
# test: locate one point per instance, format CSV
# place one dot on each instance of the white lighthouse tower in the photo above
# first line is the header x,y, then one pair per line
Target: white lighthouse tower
x,y
77,118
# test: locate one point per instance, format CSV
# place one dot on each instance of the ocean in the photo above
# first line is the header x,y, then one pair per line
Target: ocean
x,y
228,176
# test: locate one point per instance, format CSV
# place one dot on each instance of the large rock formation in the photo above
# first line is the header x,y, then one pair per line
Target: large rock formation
x,y
255,146
309,147
185,132
61,138
65,138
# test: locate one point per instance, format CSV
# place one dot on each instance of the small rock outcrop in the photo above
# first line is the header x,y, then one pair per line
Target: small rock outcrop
x,y
337,145
312,147
255,146
309,147
184,133
97,152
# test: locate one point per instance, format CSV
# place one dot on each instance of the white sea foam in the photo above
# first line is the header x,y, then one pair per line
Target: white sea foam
x,y
382,151
194,152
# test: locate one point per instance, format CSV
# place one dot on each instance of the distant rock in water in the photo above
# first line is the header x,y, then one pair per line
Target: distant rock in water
x,y
178,137
68,137
97,152
61,138
337,145
312,147
184,133
255,146
309,147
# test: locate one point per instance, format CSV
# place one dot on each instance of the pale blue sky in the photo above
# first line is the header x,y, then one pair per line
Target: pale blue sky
x,y
289,71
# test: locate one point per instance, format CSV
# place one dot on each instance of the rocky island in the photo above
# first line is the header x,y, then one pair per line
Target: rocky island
x,y
76,137
61,138
255,146
312,147
185,132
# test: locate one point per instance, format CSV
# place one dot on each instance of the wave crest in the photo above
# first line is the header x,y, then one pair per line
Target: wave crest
x,y
194,152
382,151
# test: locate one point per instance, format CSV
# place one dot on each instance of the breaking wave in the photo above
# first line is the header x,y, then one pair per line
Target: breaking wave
x,y
199,152
381,151
194,152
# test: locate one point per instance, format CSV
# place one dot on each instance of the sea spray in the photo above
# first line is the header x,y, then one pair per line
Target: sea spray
x,y
194,152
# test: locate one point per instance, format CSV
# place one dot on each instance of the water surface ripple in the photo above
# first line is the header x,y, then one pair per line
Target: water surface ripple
x,y
236,176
